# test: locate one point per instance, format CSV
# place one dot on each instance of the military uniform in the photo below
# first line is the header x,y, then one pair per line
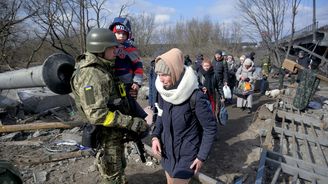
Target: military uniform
x,y
94,88
266,68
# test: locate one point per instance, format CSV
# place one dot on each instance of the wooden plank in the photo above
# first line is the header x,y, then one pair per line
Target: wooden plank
x,y
261,168
298,118
291,170
309,157
321,156
276,175
294,143
282,135
38,126
290,133
22,143
301,164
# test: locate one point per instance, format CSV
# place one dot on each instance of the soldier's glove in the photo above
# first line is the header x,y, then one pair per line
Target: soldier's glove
x,y
139,126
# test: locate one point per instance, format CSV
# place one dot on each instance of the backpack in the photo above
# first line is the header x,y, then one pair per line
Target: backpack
x,y
223,116
192,101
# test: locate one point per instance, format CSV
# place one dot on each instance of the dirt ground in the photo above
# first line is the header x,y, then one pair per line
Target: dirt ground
x,y
235,154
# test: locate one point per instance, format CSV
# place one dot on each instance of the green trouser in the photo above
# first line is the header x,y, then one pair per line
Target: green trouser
x,y
110,158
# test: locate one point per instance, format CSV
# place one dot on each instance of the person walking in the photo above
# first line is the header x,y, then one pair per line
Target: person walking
x,y
186,127
232,69
208,84
246,77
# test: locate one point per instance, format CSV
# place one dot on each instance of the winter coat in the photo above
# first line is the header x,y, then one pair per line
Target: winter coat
x,y
207,79
304,61
220,70
232,69
185,134
128,64
152,97
246,73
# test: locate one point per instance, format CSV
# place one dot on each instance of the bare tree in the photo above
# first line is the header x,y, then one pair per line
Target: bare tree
x,y
12,14
69,21
143,26
267,17
235,37
295,4
58,17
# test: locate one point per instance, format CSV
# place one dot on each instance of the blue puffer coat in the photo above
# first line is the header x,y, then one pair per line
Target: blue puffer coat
x,y
185,137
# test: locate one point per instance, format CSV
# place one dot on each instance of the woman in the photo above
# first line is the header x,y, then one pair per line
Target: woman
x,y
183,135
208,84
232,69
245,74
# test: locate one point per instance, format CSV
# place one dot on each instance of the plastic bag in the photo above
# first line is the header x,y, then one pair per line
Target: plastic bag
x,y
227,92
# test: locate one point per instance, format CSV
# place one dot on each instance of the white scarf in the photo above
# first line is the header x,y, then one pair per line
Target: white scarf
x,y
184,90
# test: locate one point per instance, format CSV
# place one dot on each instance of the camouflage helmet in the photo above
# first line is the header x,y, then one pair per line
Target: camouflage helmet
x,y
98,40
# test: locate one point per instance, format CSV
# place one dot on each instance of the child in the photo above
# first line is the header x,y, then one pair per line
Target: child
x,y
128,64
208,84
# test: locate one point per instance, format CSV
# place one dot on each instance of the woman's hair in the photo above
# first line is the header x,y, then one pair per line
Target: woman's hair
x,y
242,57
207,60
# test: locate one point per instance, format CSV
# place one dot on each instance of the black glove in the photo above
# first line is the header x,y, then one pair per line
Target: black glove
x,y
139,126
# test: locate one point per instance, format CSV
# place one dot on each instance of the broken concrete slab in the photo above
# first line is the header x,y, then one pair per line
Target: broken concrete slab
x,y
37,100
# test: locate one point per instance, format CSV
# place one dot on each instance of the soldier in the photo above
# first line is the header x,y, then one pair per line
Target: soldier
x,y
266,69
99,95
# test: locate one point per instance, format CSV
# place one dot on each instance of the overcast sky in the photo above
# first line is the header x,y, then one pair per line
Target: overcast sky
x,y
169,11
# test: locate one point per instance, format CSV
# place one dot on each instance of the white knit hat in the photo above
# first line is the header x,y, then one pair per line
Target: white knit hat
x,y
248,62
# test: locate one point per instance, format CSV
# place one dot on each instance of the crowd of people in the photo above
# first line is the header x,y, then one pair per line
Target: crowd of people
x,y
185,96
223,72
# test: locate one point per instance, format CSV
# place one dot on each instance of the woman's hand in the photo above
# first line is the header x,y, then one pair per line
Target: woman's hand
x,y
222,100
134,90
196,165
156,147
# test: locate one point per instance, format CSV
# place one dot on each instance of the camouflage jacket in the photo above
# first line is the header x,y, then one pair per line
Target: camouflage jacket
x,y
94,88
